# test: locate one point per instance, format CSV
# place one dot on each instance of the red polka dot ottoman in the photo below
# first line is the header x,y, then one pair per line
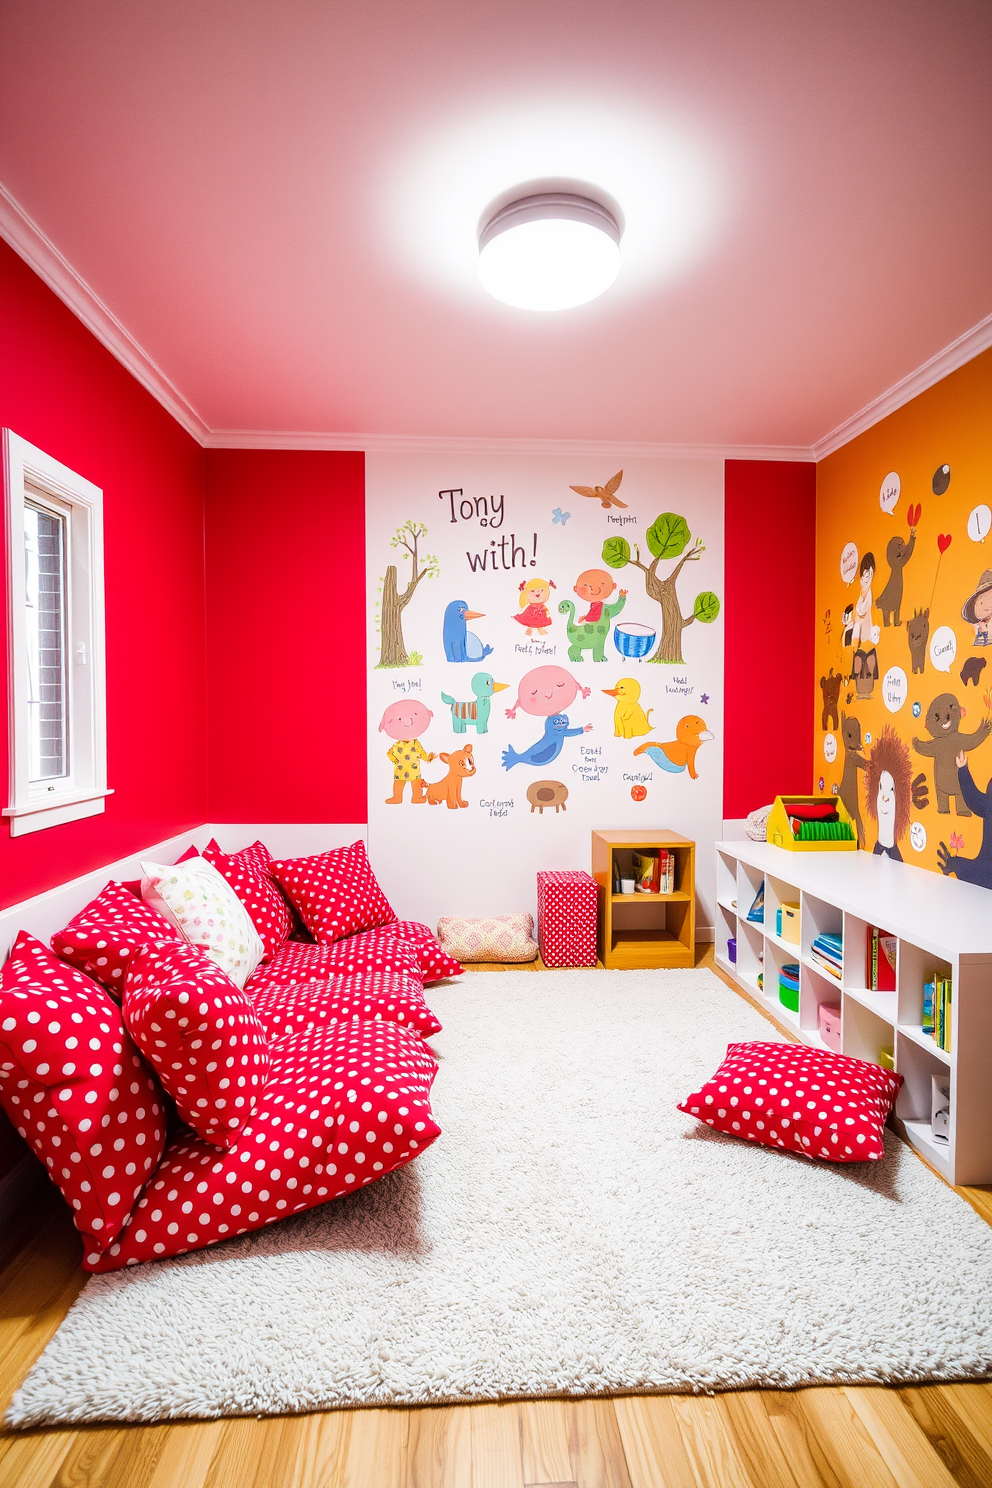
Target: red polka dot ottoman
x,y
567,917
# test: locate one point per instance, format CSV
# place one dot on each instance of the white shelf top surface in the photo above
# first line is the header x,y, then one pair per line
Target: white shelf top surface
x,y
924,908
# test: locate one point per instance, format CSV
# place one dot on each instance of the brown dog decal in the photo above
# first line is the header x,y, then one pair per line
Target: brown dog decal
x,y
460,765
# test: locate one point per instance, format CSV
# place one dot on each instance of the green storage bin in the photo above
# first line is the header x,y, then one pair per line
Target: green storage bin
x,y
788,997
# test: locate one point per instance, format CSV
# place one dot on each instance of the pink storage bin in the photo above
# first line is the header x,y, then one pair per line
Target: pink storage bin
x,y
567,918
828,1016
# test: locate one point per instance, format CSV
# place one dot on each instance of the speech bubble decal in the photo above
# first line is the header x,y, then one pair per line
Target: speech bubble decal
x,y
849,562
888,495
830,748
980,523
943,648
918,836
895,689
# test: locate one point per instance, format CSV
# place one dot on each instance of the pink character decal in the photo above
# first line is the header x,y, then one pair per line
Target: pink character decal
x,y
545,691
403,721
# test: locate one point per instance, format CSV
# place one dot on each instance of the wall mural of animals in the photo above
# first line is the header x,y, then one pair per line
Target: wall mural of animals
x,y
543,794
918,634
854,760
946,742
629,719
830,687
461,767
475,713
548,747
897,554
589,631
680,753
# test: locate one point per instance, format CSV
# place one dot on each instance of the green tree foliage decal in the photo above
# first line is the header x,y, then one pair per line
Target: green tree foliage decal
x,y
668,537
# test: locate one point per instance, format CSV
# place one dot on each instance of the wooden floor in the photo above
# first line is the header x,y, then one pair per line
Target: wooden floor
x,y
927,1437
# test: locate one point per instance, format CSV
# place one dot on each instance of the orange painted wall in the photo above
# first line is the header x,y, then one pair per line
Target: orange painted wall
x,y
949,424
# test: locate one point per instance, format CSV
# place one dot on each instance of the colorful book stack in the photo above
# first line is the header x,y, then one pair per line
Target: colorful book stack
x,y
880,960
788,987
667,871
827,951
937,1010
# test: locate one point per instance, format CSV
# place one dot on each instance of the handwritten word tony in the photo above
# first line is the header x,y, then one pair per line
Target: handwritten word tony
x,y
481,509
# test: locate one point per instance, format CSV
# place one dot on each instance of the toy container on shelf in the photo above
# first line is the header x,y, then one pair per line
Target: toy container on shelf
x,y
732,949
567,918
787,923
780,832
788,986
828,1017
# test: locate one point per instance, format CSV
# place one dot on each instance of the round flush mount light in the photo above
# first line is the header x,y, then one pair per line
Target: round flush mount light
x,y
549,251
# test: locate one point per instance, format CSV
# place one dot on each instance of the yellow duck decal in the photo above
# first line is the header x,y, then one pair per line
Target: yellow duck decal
x,y
629,718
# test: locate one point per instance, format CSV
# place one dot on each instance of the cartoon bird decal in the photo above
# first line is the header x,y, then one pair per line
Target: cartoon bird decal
x,y
606,494
680,754
548,747
460,643
629,718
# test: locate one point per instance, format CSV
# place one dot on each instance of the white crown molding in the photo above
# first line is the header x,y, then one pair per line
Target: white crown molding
x,y
953,356
28,240
416,444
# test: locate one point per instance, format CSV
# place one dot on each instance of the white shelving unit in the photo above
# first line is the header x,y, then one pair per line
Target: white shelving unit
x,y
940,925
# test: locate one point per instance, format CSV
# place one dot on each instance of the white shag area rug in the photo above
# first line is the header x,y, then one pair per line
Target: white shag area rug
x,y
570,1233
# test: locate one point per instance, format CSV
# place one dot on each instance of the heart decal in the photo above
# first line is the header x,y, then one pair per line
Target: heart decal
x,y
944,541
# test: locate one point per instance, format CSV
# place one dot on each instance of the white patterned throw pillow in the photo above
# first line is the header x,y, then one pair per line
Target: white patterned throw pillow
x,y
204,908
498,938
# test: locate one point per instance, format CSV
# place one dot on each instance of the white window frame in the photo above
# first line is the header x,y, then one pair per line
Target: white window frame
x,y
34,805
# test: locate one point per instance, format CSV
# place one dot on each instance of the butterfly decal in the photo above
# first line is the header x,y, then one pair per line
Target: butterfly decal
x,y
606,494
559,516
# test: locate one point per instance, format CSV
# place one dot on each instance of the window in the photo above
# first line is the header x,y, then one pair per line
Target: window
x,y
56,675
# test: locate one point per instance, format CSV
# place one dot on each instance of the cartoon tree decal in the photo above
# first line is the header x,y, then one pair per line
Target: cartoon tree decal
x,y
667,538
392,650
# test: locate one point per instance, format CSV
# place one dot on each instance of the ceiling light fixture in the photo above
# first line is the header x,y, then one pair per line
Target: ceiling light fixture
x,y
549,251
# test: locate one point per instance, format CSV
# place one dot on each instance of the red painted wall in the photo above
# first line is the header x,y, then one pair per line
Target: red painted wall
x,y
769,623
60,389
286,658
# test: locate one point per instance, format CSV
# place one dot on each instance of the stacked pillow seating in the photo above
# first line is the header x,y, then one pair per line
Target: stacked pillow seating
x,y
195,1110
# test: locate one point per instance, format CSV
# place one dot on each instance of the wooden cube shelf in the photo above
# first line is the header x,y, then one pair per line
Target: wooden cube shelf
x,y
644,930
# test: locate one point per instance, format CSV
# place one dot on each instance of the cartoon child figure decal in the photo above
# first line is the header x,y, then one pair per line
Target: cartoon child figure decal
x,y
889,790
594,587
534,614
403,721
977,610
862,629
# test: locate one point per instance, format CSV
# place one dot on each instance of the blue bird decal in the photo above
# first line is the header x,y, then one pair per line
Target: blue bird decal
x,y
559,516
548,747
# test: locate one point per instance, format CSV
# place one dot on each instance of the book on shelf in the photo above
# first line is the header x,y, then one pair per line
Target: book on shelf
x,y
937,1009
880,960
827,952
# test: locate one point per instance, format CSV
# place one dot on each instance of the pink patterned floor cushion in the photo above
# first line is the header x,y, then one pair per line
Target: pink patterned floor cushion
x,y
389,996
335,892
101,939
802,1099
344,1106
499,938
248,874
73,1084
201,1035
296,962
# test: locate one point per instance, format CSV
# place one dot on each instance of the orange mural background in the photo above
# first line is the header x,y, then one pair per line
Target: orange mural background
x,y
949,425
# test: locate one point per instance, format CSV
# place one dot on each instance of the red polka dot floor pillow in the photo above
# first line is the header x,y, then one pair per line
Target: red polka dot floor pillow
x,y
435,961
102,938
73,1084
248,874
365,955
335,892
804,1100
344,1105
202,1037
389,996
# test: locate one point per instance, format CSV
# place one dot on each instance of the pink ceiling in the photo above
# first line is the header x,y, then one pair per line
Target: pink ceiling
x,y
278,199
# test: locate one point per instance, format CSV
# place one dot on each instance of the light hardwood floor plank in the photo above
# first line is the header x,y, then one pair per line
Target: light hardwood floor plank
x,y
188,1451
544,1442
855,1457
759,1447
32,1460
652,1443
596,1446
966,1459
973,1404
709,1444
439,1449
497,1460
905,1449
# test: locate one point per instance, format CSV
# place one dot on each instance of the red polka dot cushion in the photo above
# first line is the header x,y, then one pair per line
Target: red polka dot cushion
x,y
335,892
102,938
297,962
344,1105
73,1084
202,1037
805,1100
389,996
435,961
248,874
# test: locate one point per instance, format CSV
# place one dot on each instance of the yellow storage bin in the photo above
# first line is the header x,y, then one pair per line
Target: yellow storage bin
x,y
780,828
788,922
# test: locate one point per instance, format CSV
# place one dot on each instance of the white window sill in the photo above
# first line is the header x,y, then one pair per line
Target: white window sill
x,y
35,816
